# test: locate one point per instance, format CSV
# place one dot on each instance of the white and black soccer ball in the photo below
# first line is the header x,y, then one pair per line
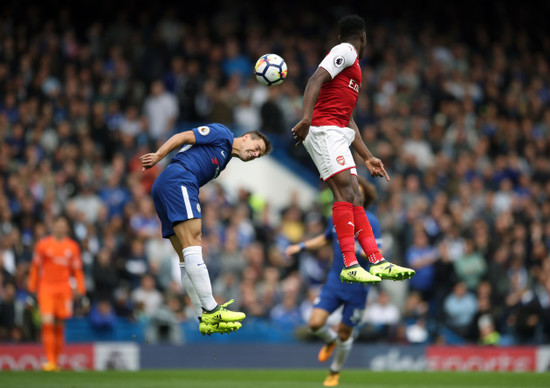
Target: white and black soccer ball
x,y
270,70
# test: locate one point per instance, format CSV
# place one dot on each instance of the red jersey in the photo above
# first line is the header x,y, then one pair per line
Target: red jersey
x,y
338,96
53,264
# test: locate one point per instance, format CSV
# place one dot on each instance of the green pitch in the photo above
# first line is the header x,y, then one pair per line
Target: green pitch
x,y
270,378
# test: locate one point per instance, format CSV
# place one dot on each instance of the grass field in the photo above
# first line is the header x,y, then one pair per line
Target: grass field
x,y
270,378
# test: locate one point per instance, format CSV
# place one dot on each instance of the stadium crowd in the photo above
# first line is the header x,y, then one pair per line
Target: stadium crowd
x,y
457,109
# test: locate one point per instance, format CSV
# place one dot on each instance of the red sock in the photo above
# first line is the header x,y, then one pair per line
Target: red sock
x,y
363,232
59,340
342,216
48,340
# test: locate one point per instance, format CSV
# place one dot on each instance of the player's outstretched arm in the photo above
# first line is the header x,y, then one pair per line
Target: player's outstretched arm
x,y
374,165
312,244
313,88
178,140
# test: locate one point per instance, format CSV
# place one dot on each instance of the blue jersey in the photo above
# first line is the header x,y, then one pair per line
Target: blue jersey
x,y
210,153
175,192
335,293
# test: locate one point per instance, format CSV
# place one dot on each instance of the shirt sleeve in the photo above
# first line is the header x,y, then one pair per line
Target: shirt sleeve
x,y
209,134
340,57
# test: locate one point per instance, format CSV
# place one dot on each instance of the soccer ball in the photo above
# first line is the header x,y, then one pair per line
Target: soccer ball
x,y
270,70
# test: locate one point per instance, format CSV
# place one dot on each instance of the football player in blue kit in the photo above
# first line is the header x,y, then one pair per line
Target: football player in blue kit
x,y
204,152
335,293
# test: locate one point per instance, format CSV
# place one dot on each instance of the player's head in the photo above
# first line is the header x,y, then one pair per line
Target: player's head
x,y
368,191
352,28
252,145
157,87
60,227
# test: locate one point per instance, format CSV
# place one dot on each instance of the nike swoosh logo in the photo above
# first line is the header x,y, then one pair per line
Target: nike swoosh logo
x,y
223,153
351,223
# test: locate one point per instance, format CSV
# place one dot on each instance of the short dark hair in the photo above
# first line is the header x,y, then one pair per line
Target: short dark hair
x,y
351,26
260,135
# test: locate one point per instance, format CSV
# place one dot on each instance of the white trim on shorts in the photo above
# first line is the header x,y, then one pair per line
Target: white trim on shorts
x,y
187,202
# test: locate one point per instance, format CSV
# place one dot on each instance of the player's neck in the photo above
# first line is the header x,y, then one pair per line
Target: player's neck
x,y
58,238
236,144
356,43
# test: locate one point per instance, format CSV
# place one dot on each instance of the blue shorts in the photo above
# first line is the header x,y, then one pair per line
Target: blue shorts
x,y
353,299
176,197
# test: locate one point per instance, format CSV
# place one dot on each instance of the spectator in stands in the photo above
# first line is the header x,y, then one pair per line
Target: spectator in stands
x,y
148,295
102,316
460,307
380,319
470,267
287,312
421,257
105,275
161,109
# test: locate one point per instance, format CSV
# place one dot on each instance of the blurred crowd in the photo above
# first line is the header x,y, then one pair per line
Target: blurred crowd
x,y
456,104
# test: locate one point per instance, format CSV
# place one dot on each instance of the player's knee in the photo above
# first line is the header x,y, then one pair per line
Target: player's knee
x,y
189,233
358,200
344,333
47,319
315,325
345,194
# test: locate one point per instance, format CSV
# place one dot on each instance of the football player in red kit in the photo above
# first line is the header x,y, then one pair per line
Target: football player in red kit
x,y
327,130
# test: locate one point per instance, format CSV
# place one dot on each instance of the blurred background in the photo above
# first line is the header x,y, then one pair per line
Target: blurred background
x,y
455,100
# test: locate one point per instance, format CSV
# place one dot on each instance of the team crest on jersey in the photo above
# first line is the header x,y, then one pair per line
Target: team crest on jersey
x,y
204,130
338,61
354,85
198,207
340,159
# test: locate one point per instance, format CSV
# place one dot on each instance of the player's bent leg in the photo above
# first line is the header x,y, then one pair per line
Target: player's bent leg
x,y
221,314
59,329
318,327
387,270
186,282
357,274
189,234
48,340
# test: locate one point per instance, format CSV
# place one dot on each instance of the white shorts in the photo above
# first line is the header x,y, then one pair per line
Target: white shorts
x,y
328,146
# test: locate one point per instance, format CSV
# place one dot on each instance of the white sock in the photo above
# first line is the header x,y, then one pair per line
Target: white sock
x,y
190,290
326,334
198,274
176,270
341,354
